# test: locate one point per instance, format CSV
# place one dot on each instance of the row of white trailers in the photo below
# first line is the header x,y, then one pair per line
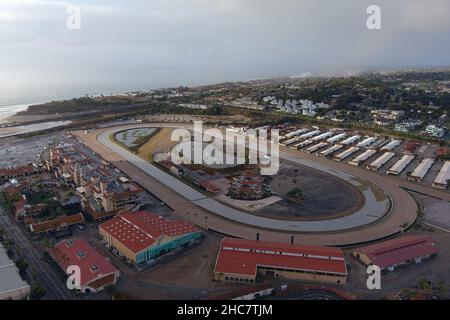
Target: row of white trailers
x,y
312,144
311,139
394,170
304,137
316,136
330,150
310,147
419,173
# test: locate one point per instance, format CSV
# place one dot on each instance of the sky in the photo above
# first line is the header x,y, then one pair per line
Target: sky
x,y
143,44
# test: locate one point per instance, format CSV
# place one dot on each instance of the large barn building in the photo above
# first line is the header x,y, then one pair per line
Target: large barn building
x,y
390,254
141,236
96,272
242,260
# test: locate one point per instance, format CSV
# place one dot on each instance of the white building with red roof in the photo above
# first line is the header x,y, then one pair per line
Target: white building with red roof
x,y
141,236
242,260
96,272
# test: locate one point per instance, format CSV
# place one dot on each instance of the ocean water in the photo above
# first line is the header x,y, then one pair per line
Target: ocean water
x,y
21,87
10,110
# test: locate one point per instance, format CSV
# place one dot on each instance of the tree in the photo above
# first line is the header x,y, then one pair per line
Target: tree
x,y
38,293
11,200
295,195
111,290
424,284
442,288
22,265
46,243
10,253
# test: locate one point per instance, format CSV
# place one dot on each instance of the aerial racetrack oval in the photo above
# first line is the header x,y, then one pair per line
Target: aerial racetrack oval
x,y
387,209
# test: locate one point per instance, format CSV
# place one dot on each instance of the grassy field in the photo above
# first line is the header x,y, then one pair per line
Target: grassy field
x,y
158,142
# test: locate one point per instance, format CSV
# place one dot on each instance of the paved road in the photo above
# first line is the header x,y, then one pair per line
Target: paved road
x,y
46,277
403,210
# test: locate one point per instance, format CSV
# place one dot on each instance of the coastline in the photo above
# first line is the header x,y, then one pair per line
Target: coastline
x,y
13,123
16,120
9,113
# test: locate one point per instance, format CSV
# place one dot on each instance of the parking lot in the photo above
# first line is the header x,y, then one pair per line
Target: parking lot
x,y
18,152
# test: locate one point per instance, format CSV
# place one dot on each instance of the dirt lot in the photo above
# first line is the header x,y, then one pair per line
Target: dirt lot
x,y
193,269
323,195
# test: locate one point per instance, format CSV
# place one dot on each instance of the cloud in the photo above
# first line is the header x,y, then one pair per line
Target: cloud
x,y
211,40
426,16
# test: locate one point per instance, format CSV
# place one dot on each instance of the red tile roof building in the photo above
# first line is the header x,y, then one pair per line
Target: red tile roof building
x,y
396,252
96,272
19,172
142,236
442,152
411,147
20,206
241,260
248,186
210,187
58,224
102,189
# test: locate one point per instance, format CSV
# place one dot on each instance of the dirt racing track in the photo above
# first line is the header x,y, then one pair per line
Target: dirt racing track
x,y
380,217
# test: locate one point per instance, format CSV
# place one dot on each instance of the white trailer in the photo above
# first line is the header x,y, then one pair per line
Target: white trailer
x,y
323,136
351,140
345,154
362,157
366,142
295,133
290,141
310,134
421,170
336,138
330,150
400,165
316,147
303,144
381,161
391,145
443,176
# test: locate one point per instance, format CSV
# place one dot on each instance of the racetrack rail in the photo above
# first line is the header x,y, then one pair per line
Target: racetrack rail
x,y
203,211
